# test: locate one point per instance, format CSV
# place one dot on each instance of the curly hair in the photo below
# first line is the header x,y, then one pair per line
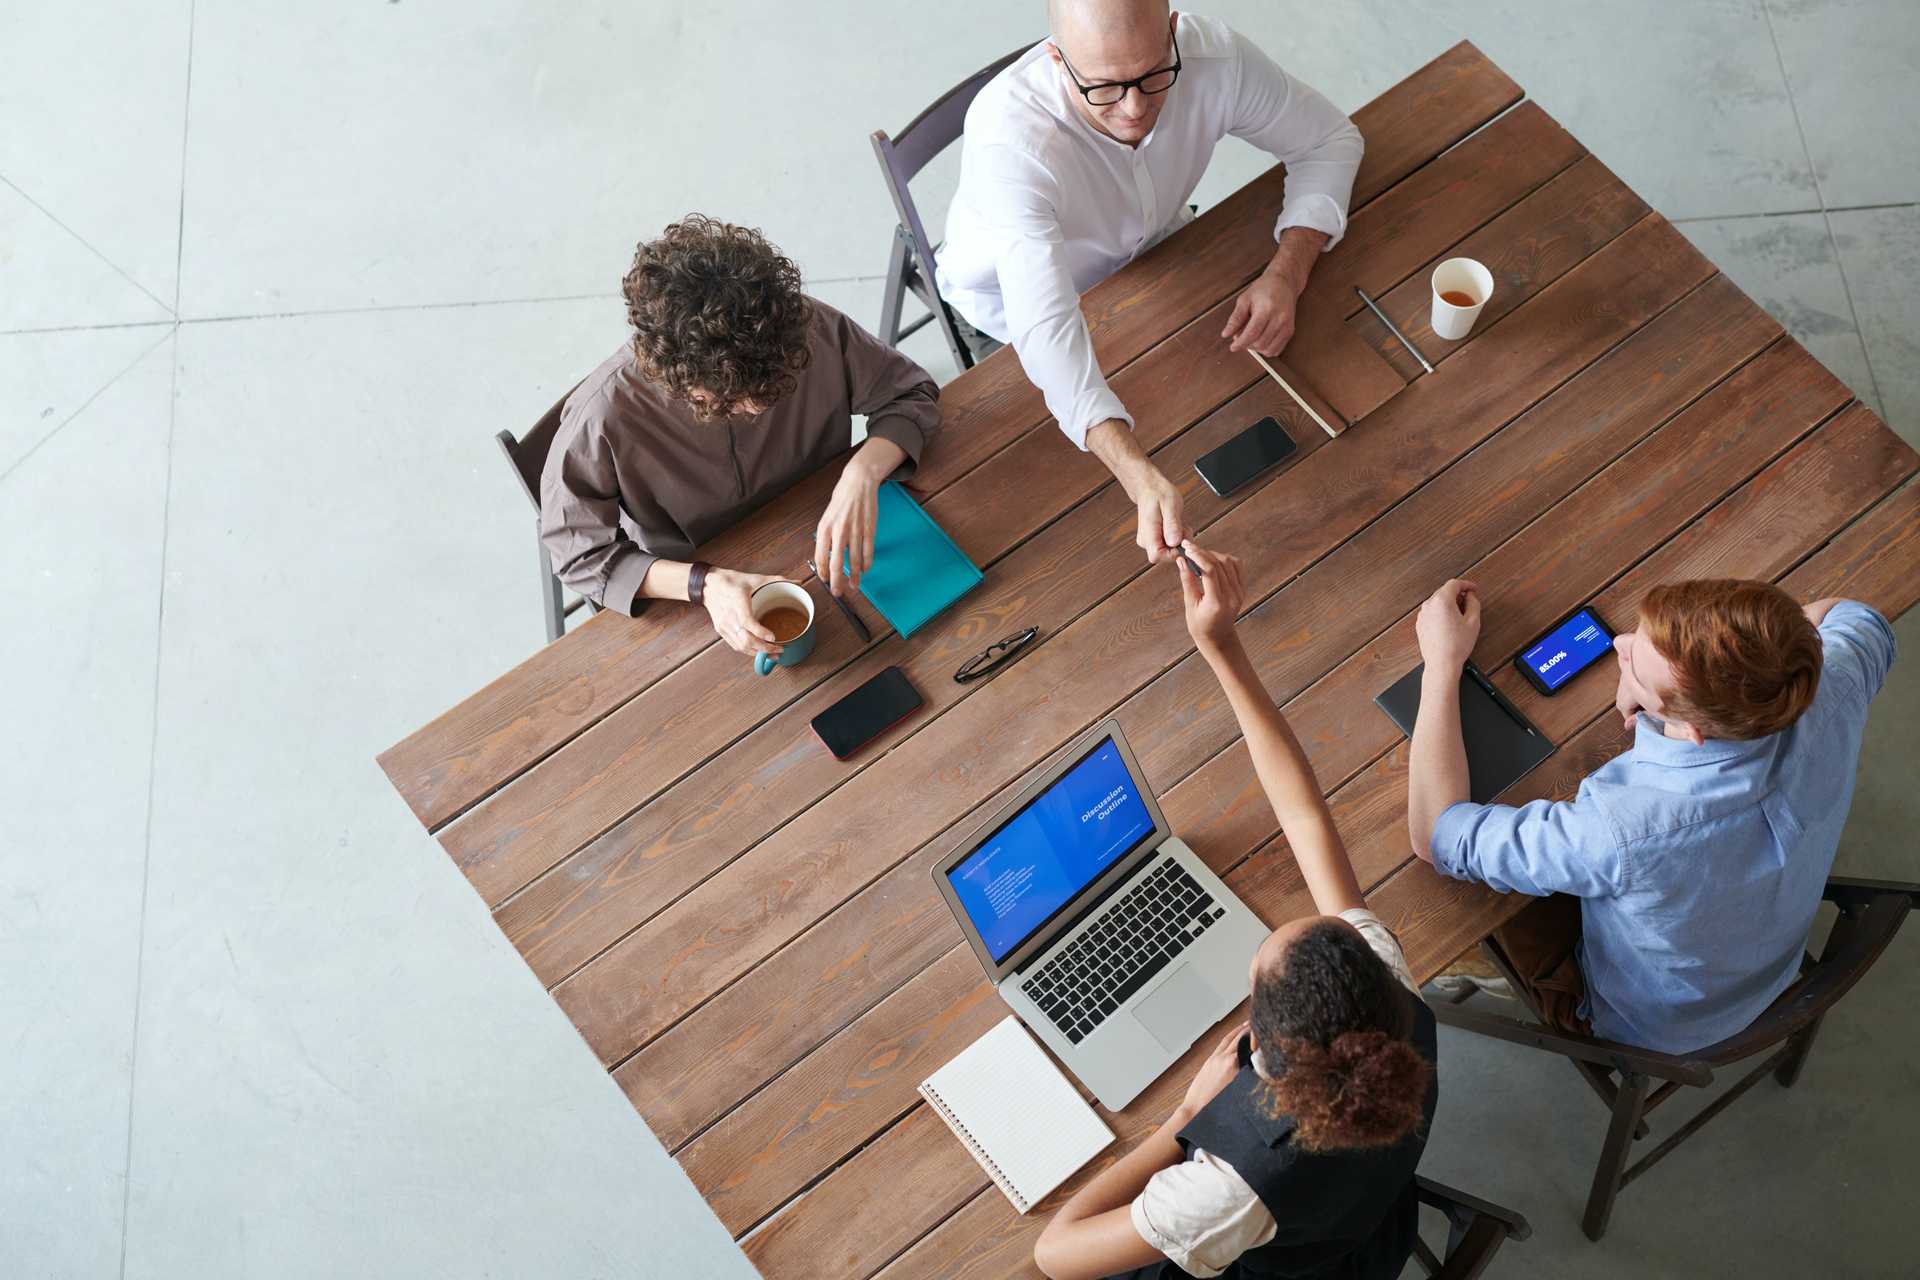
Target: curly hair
x,y
1332,1022
717,309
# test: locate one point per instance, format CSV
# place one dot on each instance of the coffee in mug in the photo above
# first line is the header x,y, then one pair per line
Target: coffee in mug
x,y
785,623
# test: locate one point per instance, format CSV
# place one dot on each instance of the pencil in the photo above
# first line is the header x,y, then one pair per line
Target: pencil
x,y
1275,375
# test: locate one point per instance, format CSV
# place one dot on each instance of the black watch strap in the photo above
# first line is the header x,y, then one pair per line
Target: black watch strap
x,y
697,581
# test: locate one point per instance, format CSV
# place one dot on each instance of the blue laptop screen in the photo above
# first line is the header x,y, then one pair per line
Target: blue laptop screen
x,y
1033,864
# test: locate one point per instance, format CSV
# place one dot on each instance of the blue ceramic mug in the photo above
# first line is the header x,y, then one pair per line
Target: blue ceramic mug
x,y
780,607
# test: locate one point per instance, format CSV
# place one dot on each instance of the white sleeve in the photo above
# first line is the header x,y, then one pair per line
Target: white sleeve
x,y
1044,322
1384,944
1296,124
1201,1214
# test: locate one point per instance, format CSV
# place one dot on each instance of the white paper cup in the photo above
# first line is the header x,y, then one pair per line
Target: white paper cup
x,y
1459,275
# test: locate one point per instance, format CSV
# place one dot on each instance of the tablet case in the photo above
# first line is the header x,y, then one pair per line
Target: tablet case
x,y
917,569
1502,747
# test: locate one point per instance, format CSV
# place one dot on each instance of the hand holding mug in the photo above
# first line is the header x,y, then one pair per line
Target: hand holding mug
x,y
728,599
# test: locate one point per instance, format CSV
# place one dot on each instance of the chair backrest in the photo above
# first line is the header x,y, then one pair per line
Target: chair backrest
x,y
1876,917
926,136
528,455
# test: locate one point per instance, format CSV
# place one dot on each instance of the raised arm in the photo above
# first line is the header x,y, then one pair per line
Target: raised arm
x,y
1213,603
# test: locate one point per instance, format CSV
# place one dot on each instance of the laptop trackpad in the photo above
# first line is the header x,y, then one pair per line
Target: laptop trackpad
x,y
1179,1008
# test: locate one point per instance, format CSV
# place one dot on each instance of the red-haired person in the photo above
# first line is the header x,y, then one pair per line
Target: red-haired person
x,y
732,387
1677,887
1293,1151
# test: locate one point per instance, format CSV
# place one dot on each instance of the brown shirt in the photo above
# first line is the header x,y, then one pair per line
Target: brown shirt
x,y
633,476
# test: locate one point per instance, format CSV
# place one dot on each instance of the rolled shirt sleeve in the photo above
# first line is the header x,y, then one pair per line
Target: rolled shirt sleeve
x,y
1044,323
580,525
1858,648
1542,847
901,401
1298,126
1201,1214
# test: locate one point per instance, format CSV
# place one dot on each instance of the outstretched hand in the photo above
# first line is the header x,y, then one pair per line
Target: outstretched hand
x,y
1213,601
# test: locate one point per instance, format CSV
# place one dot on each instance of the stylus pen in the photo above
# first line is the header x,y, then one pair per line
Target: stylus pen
x,y
1390,329
1500,699
1188,561
1275,375
866,636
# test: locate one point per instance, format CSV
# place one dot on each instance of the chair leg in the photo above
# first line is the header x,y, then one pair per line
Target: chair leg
x,y
1613,1156
896,292
551,604
1788,1072
1598,1078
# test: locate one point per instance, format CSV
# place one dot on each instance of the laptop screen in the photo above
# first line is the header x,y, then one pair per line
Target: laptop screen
x,y
1032,865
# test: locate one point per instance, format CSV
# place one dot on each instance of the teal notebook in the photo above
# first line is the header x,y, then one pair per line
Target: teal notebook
x,y
917,569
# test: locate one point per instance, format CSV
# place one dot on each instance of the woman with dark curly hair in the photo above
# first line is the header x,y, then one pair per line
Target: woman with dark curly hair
x,y
733,387
1293,1152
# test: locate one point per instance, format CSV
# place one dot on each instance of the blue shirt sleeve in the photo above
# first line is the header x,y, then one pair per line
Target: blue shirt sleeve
x,y
1542,847
1859,648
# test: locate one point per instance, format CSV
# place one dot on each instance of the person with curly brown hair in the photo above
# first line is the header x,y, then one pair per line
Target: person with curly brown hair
x,y
733,387
1293,1152
1677,887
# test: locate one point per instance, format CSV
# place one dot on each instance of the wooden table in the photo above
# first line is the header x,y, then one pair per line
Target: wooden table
x,y
744,929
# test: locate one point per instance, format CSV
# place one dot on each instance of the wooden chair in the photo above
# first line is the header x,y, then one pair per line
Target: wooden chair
x,y
528,456
910,268
1871,912
1475,1231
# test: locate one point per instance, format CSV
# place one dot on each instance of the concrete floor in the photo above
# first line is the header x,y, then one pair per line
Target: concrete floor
x,y
270,276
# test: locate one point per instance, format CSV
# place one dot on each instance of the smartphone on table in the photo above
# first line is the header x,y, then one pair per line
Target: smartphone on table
x,y
867,712
1564,650
1262,445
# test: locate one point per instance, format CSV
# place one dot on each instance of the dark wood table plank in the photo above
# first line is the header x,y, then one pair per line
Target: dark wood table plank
x,y
469,752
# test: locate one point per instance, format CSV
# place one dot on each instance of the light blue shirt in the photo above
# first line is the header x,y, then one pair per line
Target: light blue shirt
x,y
1698,867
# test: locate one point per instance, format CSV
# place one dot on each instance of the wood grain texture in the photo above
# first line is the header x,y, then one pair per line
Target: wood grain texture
x,y
733,920
517,720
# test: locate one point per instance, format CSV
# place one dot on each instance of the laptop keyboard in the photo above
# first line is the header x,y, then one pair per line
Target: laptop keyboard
x,y
1131,940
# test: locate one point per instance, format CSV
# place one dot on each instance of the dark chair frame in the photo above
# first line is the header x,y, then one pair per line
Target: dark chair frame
x,y
1475,1231
528,457
910,268
1870,914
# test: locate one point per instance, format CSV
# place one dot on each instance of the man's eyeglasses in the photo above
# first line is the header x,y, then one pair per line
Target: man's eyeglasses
x,y
998,654
1108,92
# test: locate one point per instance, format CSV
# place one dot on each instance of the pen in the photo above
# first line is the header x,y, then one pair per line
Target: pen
x,y
1187,560
866,636
1393,330
1500,699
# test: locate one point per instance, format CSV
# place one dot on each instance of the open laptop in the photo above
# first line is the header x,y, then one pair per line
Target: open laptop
x,y
1104,932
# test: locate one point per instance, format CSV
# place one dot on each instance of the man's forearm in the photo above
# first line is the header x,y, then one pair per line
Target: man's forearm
x,y
666,580
877,457
1112,442
1437,766
1293,257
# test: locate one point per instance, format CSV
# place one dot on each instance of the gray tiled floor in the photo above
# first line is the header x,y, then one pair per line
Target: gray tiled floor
x,y
269,277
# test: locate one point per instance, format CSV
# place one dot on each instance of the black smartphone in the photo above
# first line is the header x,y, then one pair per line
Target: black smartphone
x,y
867,712
1245,456
1565,649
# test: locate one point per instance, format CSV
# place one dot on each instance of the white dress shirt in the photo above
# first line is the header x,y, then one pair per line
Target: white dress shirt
x,y
1202,1214
1048,206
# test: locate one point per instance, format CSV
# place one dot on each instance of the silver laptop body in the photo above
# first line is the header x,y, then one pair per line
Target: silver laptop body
x,y
1114,943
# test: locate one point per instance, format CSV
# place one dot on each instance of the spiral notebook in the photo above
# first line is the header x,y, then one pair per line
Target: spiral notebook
x,y
1013,1109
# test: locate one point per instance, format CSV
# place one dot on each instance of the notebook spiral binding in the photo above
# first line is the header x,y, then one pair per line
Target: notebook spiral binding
x,y
932,1095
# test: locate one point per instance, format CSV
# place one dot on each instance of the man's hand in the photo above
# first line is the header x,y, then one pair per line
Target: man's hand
x,y
1215,1074
1818,610
1449,624
728,598
845,532
1213,602
1157,504
1263,315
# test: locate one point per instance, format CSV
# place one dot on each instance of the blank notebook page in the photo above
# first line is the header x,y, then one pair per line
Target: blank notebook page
x,y
1020,1117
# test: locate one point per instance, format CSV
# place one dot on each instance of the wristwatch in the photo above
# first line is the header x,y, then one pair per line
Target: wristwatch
x,y
697,580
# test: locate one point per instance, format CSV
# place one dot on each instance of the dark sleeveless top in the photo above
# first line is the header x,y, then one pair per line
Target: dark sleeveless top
x,y
1345,1215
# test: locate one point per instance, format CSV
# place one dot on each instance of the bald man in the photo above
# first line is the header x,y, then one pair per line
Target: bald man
x,y
1082,155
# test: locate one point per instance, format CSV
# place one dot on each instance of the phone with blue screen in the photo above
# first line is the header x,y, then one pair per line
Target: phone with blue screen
x,y
1564,650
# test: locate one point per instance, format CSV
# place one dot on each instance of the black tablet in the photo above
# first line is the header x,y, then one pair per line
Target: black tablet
x,y
1502,746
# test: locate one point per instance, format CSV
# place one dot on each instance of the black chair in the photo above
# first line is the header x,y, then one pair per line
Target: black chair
x,y
1871,912
1475,1231
528,456
910,268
